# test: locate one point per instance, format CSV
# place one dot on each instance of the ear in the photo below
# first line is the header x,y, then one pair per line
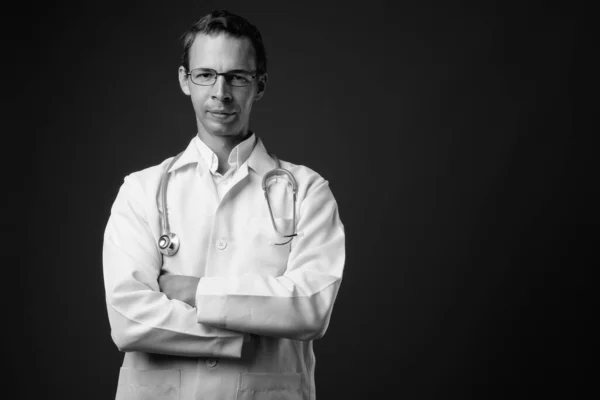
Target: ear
x,y
262,86
184,80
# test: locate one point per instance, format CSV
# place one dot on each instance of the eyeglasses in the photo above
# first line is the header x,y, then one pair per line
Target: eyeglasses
x,y
208,77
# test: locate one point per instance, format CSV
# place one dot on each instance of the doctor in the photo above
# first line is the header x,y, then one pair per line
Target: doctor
x,y
233,313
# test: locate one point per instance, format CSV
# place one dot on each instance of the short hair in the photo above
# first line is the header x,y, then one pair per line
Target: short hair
x,y
222,21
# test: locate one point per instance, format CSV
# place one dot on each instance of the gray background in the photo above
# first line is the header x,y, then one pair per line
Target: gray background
x,y
446,130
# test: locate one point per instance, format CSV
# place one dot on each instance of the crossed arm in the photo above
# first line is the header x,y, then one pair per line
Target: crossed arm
x,y
212,315
179,287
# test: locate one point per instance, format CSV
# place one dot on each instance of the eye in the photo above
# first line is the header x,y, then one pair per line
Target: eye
x,y
240,79
204,75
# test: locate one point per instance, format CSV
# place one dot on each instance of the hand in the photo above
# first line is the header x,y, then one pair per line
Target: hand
x,y
180,287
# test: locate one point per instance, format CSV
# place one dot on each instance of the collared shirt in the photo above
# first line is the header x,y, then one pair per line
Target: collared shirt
x,y
237,157
251,285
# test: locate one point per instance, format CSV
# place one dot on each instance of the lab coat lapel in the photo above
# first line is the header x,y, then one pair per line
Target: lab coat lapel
x,y
238,179
208,186
241,174
259,161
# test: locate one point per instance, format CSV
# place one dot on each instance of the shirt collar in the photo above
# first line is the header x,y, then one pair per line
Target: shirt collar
x,y
253,150
238,155
260,161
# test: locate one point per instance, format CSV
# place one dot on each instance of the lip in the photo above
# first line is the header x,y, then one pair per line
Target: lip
x,y
221,115
221,112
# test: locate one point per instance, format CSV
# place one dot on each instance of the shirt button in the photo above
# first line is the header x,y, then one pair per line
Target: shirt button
x,y
221,244
211,362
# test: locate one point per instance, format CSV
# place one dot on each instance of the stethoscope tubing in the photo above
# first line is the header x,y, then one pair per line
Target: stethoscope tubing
x,y
168,243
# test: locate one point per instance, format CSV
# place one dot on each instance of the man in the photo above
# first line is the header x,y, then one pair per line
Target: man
x,y
233,312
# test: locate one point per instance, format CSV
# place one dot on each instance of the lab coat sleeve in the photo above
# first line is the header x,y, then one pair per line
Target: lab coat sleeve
x,y
298,304
141,317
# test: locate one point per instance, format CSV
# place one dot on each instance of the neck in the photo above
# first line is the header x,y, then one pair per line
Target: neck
x,y
222,146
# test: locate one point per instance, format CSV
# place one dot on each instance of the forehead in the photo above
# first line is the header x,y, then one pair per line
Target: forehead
x,y
222,52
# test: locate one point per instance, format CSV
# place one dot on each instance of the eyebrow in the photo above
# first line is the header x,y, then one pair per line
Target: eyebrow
x,y
227,72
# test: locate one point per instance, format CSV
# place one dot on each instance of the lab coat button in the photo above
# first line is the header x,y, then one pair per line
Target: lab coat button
x,y
211,362
221,244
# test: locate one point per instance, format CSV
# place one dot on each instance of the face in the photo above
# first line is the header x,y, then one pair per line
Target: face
x,y
222,110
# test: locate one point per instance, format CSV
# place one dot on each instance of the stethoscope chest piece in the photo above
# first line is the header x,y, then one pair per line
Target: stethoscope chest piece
x,y
168,244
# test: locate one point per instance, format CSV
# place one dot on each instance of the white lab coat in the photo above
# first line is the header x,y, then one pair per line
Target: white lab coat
x,y
258,305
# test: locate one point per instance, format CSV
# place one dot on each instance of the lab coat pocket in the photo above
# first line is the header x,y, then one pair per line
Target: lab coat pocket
x,y
261,386
284,226
137,384
261,251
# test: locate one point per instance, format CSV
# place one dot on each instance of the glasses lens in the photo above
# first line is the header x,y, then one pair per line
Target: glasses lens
x,y
239,79
203,77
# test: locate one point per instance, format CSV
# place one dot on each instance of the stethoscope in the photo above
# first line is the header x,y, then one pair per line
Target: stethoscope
x,y
168,243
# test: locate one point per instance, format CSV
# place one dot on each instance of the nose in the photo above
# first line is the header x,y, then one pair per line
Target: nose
x,y
221,90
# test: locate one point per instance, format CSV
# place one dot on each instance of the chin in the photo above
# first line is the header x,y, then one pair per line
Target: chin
x,y
223,130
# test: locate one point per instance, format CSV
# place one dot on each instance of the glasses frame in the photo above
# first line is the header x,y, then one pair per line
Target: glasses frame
x,y
226,75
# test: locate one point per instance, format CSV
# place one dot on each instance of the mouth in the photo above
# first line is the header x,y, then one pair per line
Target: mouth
x,y
221,114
